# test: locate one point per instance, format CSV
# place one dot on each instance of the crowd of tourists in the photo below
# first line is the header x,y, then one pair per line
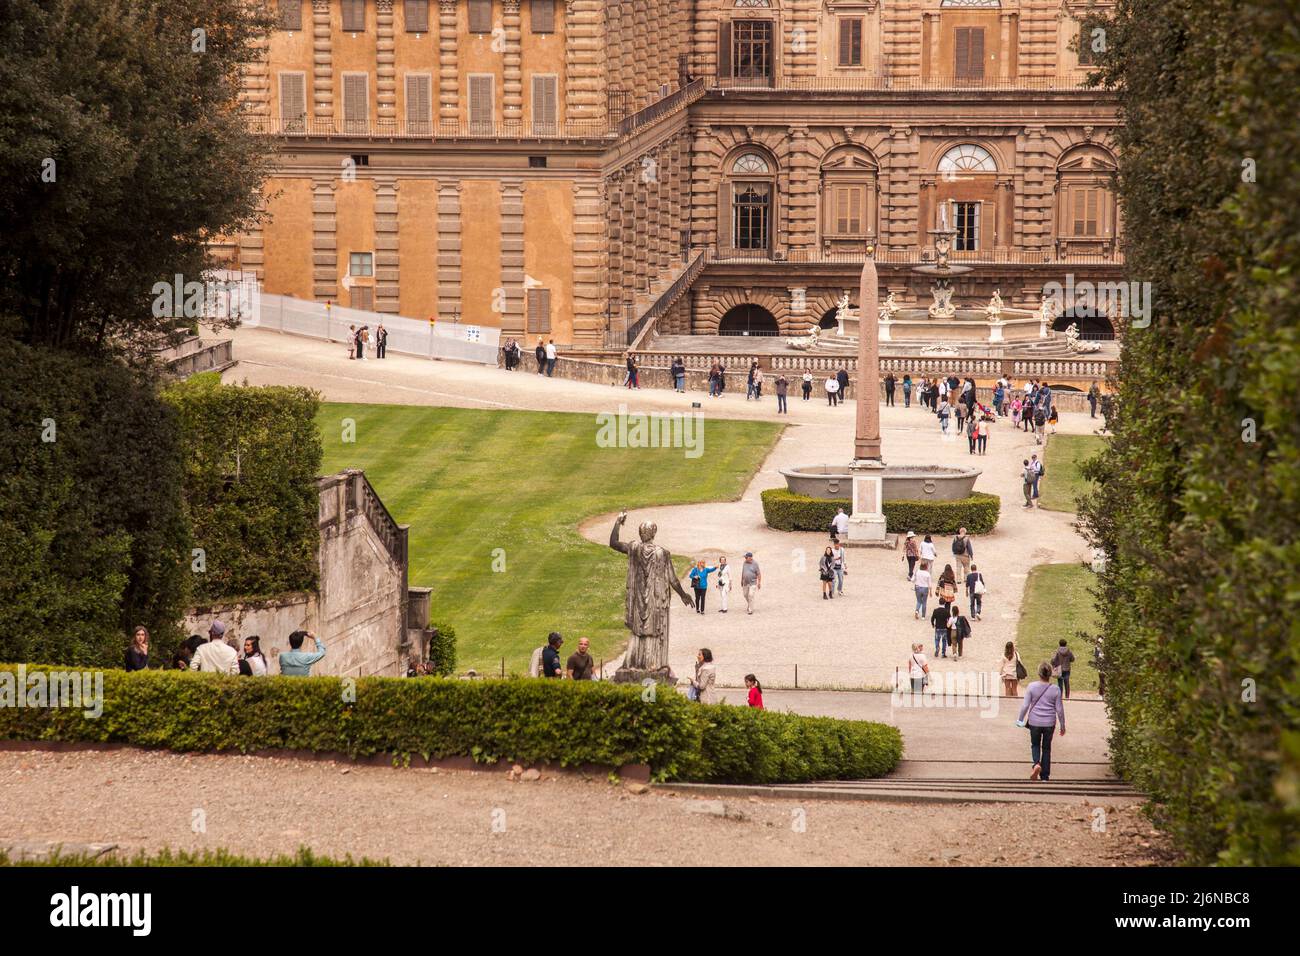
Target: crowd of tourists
x,y
360,337
215,654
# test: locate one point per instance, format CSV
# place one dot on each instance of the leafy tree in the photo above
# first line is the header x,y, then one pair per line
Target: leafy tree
x,y
123,151
1199,501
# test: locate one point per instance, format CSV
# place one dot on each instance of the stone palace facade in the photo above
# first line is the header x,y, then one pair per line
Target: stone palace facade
x,y
589,170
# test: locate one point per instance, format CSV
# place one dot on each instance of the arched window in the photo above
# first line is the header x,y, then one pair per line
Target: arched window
x,y
1086,211
750,203
971,3
967,158
848,191
754,3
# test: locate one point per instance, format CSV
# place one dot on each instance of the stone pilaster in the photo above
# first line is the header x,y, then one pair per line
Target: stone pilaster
x,y
387,253
651,175
448,79
324,241
1032,203
803,199
385,73
449,249
590,220
614,241
899,190
513,315
512,56
640,219
704,189
255,83
322,72
584,61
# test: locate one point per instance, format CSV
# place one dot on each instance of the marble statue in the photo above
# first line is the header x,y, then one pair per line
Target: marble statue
x,y
1075,344
889,308
808,341
994,309
942,307
651,582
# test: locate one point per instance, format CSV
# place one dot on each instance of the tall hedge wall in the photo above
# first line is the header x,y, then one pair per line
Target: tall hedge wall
x,y
522,719
93,538
251,459
1199,501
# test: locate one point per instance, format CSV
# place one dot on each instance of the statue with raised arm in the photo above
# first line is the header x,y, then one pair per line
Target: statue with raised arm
x,y
650,583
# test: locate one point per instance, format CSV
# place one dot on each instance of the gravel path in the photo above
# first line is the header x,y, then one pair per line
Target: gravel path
x,y
256,805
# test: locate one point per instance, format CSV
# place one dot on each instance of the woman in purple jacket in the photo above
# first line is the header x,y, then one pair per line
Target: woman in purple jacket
x,y
1042,709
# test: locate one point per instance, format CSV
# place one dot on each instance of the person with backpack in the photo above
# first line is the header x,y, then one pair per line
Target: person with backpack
x,y
1040,423
975,591
1027,478
907,391
1042,709
958,630
963,549
1036,464
1061,662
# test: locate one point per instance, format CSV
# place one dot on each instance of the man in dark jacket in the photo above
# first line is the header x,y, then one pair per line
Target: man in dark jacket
x,y
842,376
541,357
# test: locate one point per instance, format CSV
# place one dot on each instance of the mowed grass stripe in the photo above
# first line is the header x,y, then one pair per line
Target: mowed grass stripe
x,y
469,481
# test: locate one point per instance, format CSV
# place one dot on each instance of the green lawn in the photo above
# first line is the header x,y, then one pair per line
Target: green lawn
x,y
469,482
1059,605
1062,485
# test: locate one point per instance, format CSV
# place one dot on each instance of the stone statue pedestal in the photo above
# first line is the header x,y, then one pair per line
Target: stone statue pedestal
x,y
995,333
634,675
867,523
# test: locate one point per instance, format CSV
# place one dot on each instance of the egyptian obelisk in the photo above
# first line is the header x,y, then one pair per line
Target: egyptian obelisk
x,y
867,522
866,445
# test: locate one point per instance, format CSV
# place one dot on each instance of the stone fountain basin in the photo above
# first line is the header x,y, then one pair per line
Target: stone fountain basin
x,y
901,482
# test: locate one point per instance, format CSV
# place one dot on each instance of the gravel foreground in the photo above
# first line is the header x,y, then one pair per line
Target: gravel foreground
x,y
258,806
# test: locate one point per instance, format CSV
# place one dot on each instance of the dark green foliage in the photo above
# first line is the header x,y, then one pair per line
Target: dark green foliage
x,y
123,152
93,538
1198,504
251,458
442,649
525,720
978,514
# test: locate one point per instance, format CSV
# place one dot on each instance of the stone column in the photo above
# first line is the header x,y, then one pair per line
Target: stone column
x,y
448,79
322,71
385,74
512,57
387,277
512,257
867,522
324,241
449,249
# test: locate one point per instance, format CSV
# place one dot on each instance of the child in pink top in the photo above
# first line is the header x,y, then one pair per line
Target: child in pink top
x,y
755,691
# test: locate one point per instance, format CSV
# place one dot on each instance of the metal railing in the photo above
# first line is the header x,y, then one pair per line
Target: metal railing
x,y
674,102
666,301
876,82
918,257
315,128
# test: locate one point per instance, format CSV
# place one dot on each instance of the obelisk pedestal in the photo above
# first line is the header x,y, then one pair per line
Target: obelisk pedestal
x,y
867,522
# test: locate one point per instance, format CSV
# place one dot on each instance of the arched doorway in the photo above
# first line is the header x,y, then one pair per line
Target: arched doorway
x,y
748,319
1092,324
830,320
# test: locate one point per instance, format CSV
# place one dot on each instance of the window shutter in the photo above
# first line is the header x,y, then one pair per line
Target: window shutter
x,y
850,41
539,311
290,14
855,211
480,16
1078,199
724,48
418,104
961,41
542,15
976,52
415,13
293,100
480,103
362,297
356,109
544,103
354,16
1093,196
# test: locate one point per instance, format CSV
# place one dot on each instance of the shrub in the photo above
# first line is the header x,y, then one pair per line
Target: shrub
x,y
525,720
93,538
251,460
442,649
978,514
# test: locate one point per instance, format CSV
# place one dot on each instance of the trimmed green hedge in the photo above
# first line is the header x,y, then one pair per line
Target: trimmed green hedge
x,y
978,514
442,649
525,720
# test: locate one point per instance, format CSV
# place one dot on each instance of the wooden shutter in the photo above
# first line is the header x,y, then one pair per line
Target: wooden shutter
x,y
1086,206
480,16
542,14
969,48
363,297
419,96
480,104
544,103
724,48
1086,56
850,41
354,16
293,100
415,14
290,14
539,311
356,108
